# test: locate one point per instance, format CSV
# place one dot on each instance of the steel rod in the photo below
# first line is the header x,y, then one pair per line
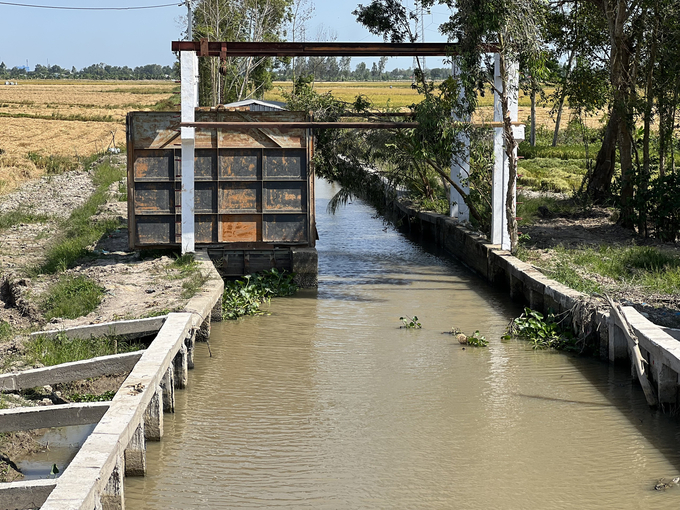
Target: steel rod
x,y
324,125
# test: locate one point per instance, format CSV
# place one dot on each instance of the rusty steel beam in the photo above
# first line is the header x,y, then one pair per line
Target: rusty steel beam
x,y
326,125
318,49
299,125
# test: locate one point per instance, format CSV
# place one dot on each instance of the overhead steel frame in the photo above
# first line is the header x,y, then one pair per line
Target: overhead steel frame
x,y
460,166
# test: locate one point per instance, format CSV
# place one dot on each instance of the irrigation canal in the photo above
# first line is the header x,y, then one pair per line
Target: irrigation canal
x,y
327,404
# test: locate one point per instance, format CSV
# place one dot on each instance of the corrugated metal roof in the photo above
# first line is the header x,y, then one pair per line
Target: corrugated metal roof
x,y
257,105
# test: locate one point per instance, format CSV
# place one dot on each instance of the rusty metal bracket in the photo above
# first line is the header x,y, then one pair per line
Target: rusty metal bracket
x,y
223,59
203,50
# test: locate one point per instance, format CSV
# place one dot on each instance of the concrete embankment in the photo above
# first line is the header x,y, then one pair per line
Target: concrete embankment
x,y
117,446
589,316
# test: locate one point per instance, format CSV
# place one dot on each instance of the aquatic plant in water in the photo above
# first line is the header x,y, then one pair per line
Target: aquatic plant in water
x,y
244,296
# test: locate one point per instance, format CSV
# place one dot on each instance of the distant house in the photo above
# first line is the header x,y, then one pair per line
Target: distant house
x,y
254,105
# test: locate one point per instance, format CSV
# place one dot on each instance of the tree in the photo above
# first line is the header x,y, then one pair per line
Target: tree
x,y
238,20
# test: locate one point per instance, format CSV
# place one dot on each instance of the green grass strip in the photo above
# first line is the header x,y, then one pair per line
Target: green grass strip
x,y
72,297
79,231
54,351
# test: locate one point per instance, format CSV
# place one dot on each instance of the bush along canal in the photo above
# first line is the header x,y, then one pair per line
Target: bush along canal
x,y
333,401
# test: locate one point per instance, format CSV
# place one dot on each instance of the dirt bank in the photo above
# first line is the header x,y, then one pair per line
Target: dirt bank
x,y
135,284
596,228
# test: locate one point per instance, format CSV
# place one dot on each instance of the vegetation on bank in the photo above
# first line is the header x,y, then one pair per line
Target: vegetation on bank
x,y
245,296
71,297
61,349
80,231
544,332
610,268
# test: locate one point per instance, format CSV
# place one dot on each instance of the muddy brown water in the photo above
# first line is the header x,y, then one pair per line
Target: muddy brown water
x,y
327,403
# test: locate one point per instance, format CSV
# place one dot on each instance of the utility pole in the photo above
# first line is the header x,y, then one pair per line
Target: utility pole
x,y
190,20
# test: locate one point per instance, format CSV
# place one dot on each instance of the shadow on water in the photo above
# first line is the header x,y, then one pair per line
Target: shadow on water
x,y
615,384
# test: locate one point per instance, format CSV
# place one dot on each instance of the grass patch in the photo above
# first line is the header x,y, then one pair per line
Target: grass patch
x,y
54,351
21,215
573,151
645,267
53,165
528,209
171,103
92,397
552,174
6,331
79,231
72,297
77,117
190,271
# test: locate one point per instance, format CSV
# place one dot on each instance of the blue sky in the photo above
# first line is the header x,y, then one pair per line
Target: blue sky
x,y
133,38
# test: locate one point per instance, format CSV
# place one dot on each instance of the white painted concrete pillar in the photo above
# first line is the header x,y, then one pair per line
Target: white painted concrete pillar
x,y
189,97
499,188
153,417
113,495
135,453
168,388
181,366
460,163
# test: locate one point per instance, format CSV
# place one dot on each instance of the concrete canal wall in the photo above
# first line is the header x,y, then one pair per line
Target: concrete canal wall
x,y
589,316
117,446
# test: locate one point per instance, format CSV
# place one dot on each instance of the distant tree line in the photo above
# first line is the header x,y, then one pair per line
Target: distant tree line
x,y
339,69
94,72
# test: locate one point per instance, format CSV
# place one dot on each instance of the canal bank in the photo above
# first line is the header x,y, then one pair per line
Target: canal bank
x,y
328,403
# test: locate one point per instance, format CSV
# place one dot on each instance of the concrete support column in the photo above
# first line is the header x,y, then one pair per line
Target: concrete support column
x,y
181,366
499,186
305,265
203,333
113,497
667,381
618,345
153,417
190,342
135,453
460,164
189,99
216,312
168,387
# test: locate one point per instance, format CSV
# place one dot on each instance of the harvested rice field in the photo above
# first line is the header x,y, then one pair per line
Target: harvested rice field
x,y
68,119
74,119
401,95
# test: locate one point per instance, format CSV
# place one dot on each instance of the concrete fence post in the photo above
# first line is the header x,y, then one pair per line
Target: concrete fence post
x,y
153,417
135,453
113,496
168,387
